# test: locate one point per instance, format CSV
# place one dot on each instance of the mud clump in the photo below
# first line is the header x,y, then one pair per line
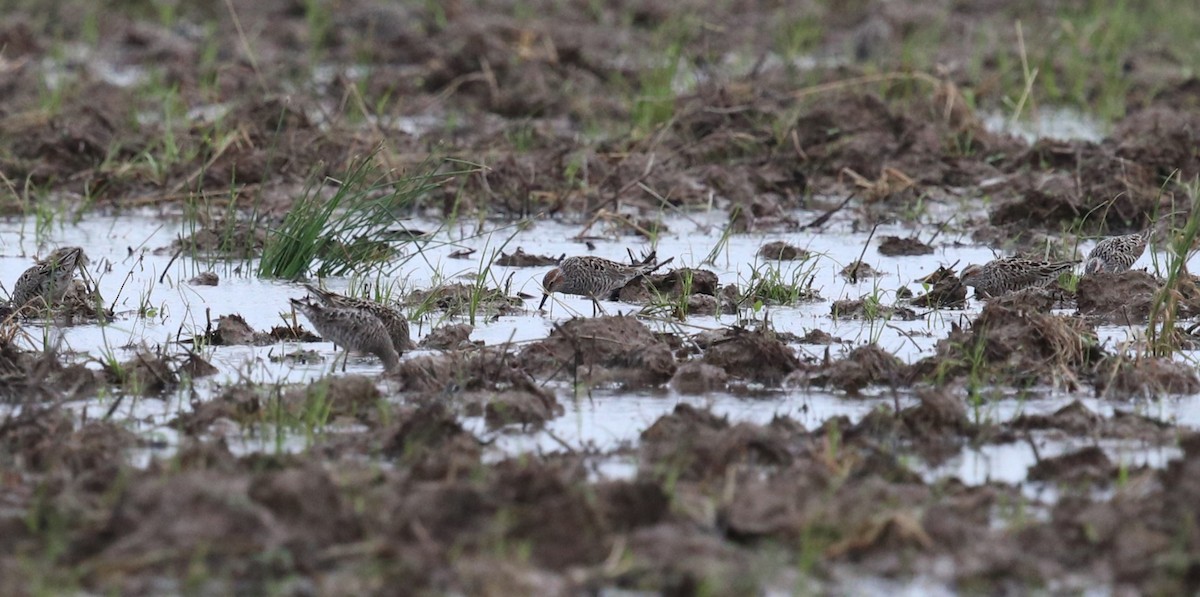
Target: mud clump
x,y
459,298
432,444
486,370
858,270
756,356
232,330
237,240
454,336
819,337
205,279
1146,377
240,403
1124,298
699,379
523,408
1073,178
341,395
864,366
616,349
1163,138
520,258
700,446
869,308
146,374
895,246
1037,300
673,284
782,251
947,292
1017,346
1089,464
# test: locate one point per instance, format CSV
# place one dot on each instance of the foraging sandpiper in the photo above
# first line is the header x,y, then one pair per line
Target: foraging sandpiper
x,y
1010,274
393,320
49,280
594,277
351,329
1116,254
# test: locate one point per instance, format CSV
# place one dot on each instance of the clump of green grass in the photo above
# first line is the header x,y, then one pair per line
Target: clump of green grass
x,y
772,284
1161,336
365,204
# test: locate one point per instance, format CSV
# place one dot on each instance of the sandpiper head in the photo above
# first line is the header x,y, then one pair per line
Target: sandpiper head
x,y
551,283
66,258
1093,266
970,275
304,306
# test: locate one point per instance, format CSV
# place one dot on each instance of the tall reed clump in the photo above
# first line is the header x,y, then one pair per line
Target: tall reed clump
x,y
1160,332
330,231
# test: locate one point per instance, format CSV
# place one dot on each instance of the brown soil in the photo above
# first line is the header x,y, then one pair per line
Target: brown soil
x,y
599,351
1014,342
750,355
894,246
781,251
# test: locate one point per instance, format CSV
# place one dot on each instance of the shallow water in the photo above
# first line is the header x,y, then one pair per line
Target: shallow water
x,y
1048,123
128,274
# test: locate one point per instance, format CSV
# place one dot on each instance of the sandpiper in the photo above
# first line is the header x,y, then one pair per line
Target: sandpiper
x,y
351,329
393,320
1010,274
45,284
1116,254
594,277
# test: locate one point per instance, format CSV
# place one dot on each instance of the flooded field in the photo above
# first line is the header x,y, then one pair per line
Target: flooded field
x,y
893,343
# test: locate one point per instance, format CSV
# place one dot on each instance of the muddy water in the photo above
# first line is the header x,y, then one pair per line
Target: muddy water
x,y
156,305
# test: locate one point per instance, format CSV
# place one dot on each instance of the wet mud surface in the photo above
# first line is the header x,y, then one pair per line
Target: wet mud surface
x,y
807,399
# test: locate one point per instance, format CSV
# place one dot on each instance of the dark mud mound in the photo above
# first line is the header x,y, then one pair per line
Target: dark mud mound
x,y
452,336
431,443
699,379
864,366
756,356
947,292
601,350
700,286
1035,300
1162,138
281,144
781,251
183,515
863,134
1147,377
1090,464
696,445
677,281
520,258
522,408
232,330
1075,419
895,246
234,240
339,395
487,370
869,308
1073,179
1124,298
147,374
68,146
1010,345
545,506
456,299
857,270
